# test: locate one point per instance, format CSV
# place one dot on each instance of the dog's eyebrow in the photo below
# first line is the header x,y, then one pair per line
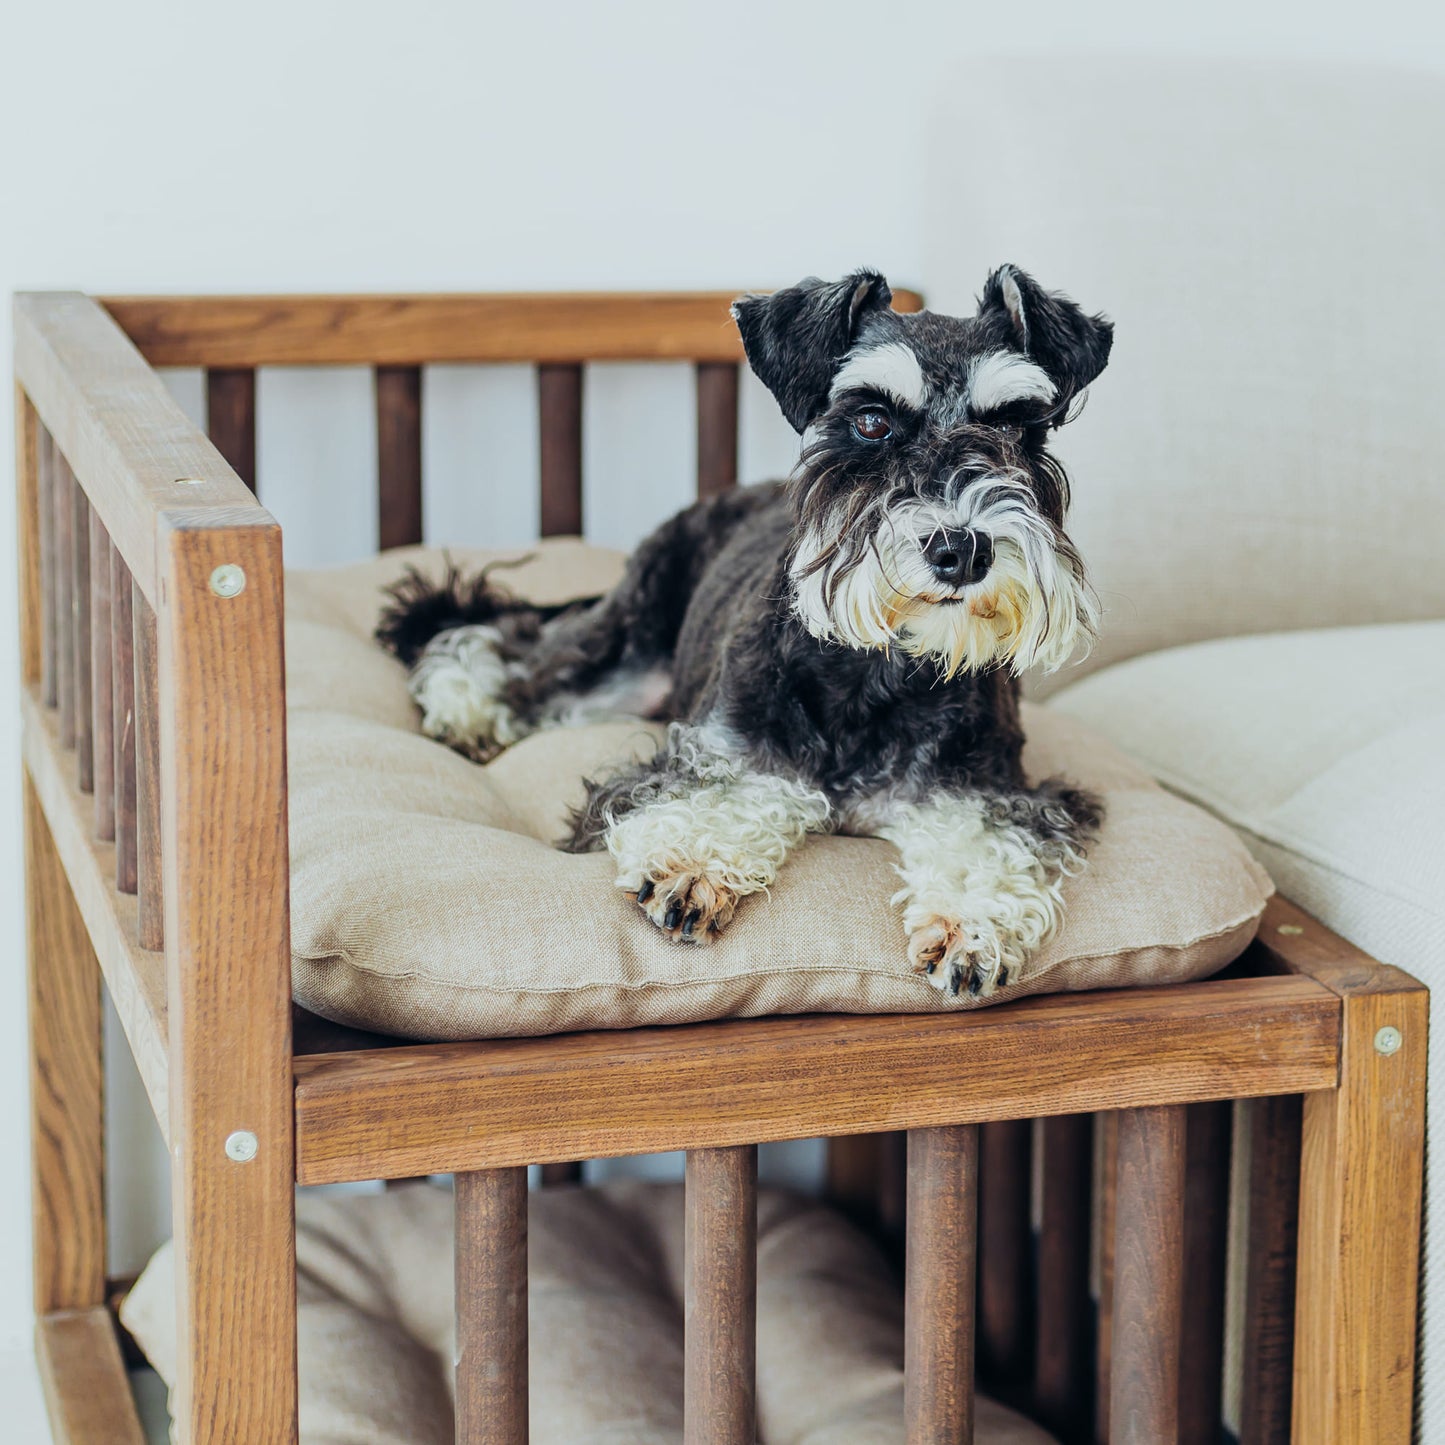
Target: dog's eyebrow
x,y
999,377
892,368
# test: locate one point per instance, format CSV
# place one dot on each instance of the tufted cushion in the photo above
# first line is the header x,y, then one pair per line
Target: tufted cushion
x,y
605,1266
427,899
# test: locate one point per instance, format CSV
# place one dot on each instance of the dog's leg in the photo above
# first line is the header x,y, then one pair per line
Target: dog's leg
x,y
982,876
696,829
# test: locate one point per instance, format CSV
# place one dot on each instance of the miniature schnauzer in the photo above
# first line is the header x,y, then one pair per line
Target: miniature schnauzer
x,y
838,652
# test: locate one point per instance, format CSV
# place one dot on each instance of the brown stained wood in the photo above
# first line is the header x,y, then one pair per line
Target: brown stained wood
x,y
1293,942
491,1307
1208,1136
1005,1257
565,1172
1106,1202
82,1374
432,1108
63,498
1274,1174
720,1304
231,418
32,483
149,788
1148,1277
102,710
228,956
717,427
80,638
893,1189
398,455
1361,1180
122,694
559,419
853,1176
939,1285
135,978
229,331
67,1137
1064,1354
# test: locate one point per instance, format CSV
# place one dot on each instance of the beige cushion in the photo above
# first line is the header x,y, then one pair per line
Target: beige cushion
x,y
427,899
1327,751
374,1289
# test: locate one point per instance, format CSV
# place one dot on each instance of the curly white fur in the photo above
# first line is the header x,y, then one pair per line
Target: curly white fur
x,y
457,683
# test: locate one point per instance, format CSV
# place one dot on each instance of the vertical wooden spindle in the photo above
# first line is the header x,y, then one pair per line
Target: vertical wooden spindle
x,y
231,418
64,500
939,1285
567,1172
1005,1257
1148,1277
122,684
80,638
49,584
1274,1172
559,416
491,1307
101,670
398,455
717,427
1208,1133
720,1308
1107,1126
149,885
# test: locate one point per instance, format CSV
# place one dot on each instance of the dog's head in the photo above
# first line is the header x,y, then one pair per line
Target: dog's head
x,y
930,515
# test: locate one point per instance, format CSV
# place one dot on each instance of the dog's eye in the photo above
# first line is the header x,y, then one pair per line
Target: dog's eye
x,y
872,425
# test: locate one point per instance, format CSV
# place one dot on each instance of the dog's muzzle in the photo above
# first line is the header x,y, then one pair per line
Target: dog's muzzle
x,y
960,557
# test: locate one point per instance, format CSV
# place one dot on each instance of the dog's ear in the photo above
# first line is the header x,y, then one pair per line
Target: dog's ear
x,y
1050,329
796,339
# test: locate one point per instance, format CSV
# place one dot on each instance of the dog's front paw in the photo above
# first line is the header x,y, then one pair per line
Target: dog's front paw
x,y
978,956
685,903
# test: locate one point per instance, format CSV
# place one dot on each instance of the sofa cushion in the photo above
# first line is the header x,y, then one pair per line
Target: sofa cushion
x,y
428,901
605,1284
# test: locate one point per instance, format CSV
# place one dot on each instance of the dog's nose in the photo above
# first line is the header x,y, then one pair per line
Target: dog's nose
x,y
958,558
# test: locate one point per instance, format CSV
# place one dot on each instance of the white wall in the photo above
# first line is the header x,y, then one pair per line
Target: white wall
x,y
164,147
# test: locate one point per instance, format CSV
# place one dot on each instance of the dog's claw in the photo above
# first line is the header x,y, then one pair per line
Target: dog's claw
x,y
1003,978
690,922
673,914
975,983
646,891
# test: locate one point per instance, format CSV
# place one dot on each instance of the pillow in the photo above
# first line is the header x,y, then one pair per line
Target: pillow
x,y
605,1282
427,900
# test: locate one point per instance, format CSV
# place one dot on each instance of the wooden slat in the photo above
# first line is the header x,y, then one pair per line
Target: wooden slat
x,y
437,1107
122,684
135,977
1064,1355
720,1305
63,497
559,417
227,331
150,881
87,1394
1148,1277
717,427
939,1285
80,637
101,681
398,455
1005,1257
1106,1202
1274,1166
491,1307
231,418
228,956
66,1091
32,486
1209,1133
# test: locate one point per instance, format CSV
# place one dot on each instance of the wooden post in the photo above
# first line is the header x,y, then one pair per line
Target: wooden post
x,y
720,1308
102,681
62,497
122,684
1107,1202
717,427
231,418
80,637
1064,1357
491,1306
559,417
398,455
150,789
568,1172
1208,1136
33,473
1005,1258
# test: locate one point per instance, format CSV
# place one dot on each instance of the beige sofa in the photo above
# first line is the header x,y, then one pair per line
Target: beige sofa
x,y
1260,480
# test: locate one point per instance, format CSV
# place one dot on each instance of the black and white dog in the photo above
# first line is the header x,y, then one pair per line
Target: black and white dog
x,y
838,652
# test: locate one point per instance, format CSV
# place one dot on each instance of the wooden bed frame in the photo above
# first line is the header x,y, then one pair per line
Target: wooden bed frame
x,y
156,859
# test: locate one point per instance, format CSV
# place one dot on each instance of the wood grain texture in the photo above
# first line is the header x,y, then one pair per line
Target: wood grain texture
x,y
227,933
1148,1277
939,1285
80,637
1005,1258
67,1136
231,418
1361,1179
1293,942
1106,1201
31,537
135,978
398,455
431,1108
82,1374
717,427
150,787
1208,1141
228,331
491,1306
1273,1239
559,420
720,1297
122,692
63,498
102,711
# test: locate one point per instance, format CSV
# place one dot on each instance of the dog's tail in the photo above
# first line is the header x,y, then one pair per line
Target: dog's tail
x,y
421,609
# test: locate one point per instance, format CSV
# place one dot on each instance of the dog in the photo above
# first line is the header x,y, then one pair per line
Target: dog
x,y
838,652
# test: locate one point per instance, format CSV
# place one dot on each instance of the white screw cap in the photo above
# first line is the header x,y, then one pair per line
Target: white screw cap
x,y
1388,1040
228,580
241,1146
